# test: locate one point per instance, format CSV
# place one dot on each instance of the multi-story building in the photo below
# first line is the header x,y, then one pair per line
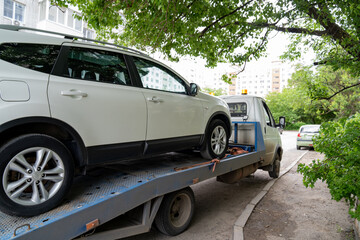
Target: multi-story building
x,y
259,78
43,15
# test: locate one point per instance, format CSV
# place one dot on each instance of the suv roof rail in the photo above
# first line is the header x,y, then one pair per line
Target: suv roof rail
x,y
67,36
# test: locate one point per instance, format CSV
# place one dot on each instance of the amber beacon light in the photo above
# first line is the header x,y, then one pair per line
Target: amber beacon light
x,y
244,92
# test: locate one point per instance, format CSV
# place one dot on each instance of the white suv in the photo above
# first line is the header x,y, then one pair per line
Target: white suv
x,y
65,105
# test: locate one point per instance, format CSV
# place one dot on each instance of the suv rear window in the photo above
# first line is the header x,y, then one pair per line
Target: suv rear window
x,y
238,109
38,57
310,129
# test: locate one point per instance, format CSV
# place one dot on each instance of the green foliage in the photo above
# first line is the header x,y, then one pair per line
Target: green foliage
x,y
290,104
302,101
227,79
340,142
235,31
216,92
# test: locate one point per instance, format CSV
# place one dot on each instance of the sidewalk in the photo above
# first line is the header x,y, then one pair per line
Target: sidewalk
x,y
291,211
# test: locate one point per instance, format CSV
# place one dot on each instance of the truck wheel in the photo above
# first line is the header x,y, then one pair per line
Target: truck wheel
x,y
216,140
176,212
275,173
36,172
298,147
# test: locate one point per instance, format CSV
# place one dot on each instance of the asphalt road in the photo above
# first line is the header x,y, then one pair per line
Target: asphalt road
x,y
218,205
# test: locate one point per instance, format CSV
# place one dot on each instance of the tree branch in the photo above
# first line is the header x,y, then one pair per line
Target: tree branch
x,y
202,33
289,29
335,31
341,90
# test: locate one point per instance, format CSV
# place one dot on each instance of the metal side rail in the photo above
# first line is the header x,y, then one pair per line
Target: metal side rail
x,y
110,191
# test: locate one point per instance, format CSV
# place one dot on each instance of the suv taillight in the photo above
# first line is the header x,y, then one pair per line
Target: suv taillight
x,y
299,135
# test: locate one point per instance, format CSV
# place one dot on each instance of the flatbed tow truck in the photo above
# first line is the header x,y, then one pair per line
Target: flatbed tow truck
x,y
141,188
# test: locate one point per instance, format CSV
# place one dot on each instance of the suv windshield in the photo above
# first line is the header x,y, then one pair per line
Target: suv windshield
x,y
310,129
238,109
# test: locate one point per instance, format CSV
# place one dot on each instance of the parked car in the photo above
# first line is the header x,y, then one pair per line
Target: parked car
x,y
306,134
67,104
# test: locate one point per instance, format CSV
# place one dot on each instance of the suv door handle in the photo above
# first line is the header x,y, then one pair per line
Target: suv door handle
x,y
155,99
73,93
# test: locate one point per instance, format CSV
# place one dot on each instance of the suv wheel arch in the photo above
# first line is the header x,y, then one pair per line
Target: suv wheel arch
x,y
221,116
48,126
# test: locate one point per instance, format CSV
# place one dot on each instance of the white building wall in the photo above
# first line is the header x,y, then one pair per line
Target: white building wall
x,y
36,15
28,15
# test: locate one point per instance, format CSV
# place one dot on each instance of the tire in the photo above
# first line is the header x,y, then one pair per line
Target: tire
x,y
216,140
298,147
275,172
176,211
36,173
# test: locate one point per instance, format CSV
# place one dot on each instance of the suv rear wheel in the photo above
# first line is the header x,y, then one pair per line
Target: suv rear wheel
x,y
216,140
36,173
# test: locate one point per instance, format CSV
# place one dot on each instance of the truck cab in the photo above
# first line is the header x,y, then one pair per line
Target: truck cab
x,y
246,108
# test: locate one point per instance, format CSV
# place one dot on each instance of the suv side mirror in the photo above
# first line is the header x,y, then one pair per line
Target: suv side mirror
x,y
282,122
194,89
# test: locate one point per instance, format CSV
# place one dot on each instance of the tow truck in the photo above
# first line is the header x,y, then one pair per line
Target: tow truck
x,y
122,200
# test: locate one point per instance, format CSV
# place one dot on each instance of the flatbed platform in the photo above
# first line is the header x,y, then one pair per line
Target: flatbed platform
x,y
112,190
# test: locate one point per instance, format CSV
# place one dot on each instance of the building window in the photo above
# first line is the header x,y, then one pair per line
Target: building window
x,y
61,16
78,24
42,10
88,33
57,14
14,10
52,13
70,18
66,17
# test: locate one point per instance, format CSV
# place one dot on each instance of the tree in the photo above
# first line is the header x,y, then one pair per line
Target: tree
x,y
216,92
290,104
315,97
234,31
325,90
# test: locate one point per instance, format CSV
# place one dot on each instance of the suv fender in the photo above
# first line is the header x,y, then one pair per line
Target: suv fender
x,y
49,126
217,115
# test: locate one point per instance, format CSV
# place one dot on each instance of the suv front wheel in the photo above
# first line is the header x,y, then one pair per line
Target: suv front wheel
x,y
36,173
216,140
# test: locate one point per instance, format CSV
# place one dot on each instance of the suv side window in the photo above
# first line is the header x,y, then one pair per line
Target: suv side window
x,y
38,57
96,65
268,117
157,77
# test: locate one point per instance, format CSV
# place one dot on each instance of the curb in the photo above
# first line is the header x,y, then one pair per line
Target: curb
x,y
240,223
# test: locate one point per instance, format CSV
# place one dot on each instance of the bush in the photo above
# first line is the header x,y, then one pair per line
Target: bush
x,y
294,126
340,169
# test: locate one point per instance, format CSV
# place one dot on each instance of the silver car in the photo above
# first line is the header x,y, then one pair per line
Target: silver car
x,y
306,134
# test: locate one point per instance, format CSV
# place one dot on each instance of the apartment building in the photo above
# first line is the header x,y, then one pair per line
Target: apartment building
x,y
259,78
43,15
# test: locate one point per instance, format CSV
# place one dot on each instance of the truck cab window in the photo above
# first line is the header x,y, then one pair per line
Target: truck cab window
x,y
268,116
238,109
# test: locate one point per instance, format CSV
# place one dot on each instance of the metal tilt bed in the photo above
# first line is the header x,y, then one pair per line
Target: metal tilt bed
x,y
110,191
